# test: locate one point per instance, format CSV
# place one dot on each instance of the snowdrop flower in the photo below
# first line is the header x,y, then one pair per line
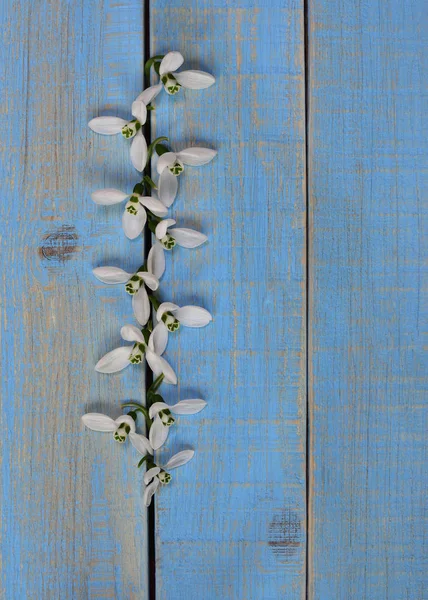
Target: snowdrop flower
x,y
121,357
135,216
173,81
121,428
135,285
157,475
162,418
130,129
187,238
171,316
171,164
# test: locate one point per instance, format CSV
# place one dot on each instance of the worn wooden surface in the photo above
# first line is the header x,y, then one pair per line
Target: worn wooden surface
x,y
232,525
72,522
233,522
368,184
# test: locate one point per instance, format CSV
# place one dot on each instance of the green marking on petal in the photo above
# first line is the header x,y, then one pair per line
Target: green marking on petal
x,y
171,322
170,84
166,417
164,477
130,129
168,242
176,168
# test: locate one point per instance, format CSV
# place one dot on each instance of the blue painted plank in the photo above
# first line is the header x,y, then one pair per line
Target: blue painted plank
x,y
232,523
368,380
72,522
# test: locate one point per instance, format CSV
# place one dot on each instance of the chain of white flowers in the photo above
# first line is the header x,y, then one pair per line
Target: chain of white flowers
x,y
148,204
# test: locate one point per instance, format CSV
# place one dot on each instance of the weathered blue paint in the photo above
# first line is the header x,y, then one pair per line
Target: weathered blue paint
x,y
72,523
368,182
232,523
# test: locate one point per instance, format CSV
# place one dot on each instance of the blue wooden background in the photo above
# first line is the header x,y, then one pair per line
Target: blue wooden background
x,y
309,474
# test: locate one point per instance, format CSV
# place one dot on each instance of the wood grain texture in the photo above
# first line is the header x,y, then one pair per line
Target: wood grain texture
x,y
368,191
232,523
72,522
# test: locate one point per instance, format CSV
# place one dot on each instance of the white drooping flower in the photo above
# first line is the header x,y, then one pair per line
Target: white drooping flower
x,y
135,285
173,81
160,412
159,474
171,164
122,428
169,237
130,129
135,216
121,357
171,316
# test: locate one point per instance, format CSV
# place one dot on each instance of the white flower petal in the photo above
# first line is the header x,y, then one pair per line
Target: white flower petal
x,y
158,433
128,420
138,151
148,475
114,361
107,125
180,459
150,491
141,306
140,443
195,80
170,62
156,206
187,407
162,227
108,196
139,111
133,225
193,316
149,93
159,365
111,275
166,159
196,157
188,238
149,279
166,307
156,260
99,422
167,186
158,339
157,407
130,333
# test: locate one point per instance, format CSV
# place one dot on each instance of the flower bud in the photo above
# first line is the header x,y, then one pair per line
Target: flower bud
x,y
130,129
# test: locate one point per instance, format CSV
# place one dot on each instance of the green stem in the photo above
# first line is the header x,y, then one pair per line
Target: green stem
x,y
155,303
139,408
152,63
147,458
153,144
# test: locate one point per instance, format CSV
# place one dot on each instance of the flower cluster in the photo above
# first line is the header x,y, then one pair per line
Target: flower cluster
x,y
146,211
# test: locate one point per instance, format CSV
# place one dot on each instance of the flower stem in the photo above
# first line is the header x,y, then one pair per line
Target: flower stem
x,y
139,408
155,302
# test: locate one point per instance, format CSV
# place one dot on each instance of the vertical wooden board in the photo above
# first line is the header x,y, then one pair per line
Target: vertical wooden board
x,y
72,522
368,182
232,523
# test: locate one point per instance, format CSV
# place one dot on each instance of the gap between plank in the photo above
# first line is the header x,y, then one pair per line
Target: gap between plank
x,y
151,518
307,287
